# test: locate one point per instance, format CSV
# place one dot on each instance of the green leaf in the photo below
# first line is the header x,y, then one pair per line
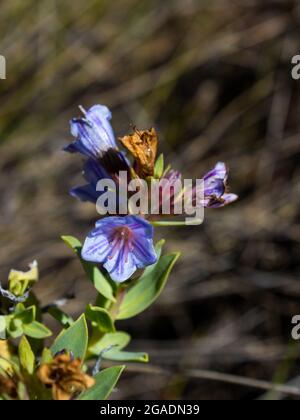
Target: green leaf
x,y
14,327
100,318
46,356
148,287
74,339
36,330
73,243
19,308
64,319
27,316
26,356
159,167
98,279
106,380
98,343
126,356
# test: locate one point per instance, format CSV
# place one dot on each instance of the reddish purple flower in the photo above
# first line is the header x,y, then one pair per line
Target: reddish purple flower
x,y
122,245
169,192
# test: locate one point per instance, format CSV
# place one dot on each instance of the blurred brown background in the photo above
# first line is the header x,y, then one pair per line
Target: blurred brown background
x,y
214,77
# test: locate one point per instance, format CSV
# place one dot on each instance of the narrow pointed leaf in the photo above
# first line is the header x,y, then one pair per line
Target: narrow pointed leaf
x,y
148,287
36,330
159,167
26,356
126,356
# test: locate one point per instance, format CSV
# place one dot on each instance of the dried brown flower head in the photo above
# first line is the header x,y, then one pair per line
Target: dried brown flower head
x,y
143,147
8,386
65,377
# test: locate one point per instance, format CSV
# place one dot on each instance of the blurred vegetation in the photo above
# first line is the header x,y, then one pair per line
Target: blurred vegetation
x,y
214,77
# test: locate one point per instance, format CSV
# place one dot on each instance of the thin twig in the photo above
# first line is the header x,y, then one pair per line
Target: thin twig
x,y
221,377
99,360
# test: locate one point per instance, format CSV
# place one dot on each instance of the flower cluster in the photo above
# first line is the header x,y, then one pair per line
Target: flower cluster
x,y
113,251
124,243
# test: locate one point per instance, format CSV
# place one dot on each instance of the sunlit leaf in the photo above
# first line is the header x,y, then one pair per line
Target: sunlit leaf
x,y
26,356
36,330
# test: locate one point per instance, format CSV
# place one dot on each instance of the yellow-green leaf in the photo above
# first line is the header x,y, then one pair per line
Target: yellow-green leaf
x,y
20,281
47,356
26,356
36,330
159,167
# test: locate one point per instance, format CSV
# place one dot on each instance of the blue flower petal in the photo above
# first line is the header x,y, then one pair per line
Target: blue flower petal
x,y
121,267
93,172
144,252
85,193
96,247
94,134
122,245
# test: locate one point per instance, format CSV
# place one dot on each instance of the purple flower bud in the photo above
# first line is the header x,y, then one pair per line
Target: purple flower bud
x,y
93,172
216,189
122,245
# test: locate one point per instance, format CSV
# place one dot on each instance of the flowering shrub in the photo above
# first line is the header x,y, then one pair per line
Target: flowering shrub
x,y
119,257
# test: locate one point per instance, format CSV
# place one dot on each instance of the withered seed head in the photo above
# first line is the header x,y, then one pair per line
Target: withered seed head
x,y
65,377
143,147
8,386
